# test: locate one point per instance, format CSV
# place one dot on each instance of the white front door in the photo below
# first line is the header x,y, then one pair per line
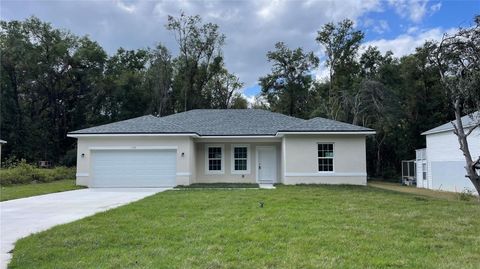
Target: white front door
x,y
266,164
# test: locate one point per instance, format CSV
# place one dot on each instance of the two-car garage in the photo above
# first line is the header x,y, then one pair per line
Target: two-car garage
x,y
133,168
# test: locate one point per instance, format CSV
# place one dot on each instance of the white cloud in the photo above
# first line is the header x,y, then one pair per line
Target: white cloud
x,y
322,74
250,99
412,30
415,10
127,8
381,27
252,27
269,10
406,43
436,7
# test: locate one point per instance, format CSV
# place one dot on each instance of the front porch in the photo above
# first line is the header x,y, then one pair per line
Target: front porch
x,y
237,161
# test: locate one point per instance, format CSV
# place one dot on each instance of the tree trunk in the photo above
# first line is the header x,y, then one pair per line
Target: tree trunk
x,y
462,140
378,162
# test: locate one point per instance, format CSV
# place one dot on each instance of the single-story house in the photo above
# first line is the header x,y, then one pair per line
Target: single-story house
x,y
221,145
441,165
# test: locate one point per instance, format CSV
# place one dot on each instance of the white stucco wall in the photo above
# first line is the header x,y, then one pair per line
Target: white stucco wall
x,y
228,177
296,157
184,144
301,159
445,161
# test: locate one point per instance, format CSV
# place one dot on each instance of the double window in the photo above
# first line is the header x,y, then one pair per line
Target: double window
x,y
240,159
215,159
325,157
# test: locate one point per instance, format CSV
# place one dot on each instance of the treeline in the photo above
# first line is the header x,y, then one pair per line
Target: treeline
x,y
53,82
398,97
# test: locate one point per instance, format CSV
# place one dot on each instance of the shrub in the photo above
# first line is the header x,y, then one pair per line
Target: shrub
x,y
466,195
24,173
70,158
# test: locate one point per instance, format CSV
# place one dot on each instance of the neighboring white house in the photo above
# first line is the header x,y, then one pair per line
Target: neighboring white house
x,y
1,143
441,166
216,145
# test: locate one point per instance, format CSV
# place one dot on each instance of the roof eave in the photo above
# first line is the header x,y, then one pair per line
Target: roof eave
x,y
433,131
77,135
281,133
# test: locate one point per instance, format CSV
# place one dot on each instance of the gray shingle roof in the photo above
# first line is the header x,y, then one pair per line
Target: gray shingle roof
x,y
325,125
467,121
144,124
222,122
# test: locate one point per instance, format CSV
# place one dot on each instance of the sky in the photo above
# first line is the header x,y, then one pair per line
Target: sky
x,y
252,27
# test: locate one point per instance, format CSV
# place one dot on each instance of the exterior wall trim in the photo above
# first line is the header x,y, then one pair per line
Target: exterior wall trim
x,y
324,174
133,148
184,174
82,174
128,135
326,133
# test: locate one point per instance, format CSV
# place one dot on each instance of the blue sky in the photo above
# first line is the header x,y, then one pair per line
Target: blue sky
x,y
252,27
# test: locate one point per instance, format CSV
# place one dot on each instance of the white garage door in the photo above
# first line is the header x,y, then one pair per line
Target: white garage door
x,y
133,168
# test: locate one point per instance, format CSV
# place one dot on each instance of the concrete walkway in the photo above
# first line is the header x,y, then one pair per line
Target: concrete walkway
x,y
22,217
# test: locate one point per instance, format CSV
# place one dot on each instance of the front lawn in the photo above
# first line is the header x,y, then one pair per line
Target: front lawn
x,y
298,227
419,191
27,190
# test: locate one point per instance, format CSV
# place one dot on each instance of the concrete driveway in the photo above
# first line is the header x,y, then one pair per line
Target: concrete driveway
x,y
22,217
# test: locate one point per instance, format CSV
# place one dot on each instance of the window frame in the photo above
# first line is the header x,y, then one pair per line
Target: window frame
x,y
333,158
232,159
424,171
207,160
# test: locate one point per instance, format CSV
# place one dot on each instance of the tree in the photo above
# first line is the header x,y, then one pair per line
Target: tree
x,y
200,56
457,57
53,82
158,80
121,95
222,88
287,87
49,76
239,102
341,43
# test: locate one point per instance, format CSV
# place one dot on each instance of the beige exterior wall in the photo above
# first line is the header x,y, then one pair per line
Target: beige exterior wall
x,y
184,144
202,176
301,159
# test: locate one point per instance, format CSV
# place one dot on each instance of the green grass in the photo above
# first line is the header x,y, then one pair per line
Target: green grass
x,y
27,190
418,191
299,227
219,186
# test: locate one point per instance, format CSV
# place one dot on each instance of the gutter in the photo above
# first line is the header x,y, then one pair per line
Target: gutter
x,y
195,135
131,134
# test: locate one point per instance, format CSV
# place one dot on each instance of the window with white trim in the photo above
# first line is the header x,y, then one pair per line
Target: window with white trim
x,y
325,157
214,158
240,159
424,171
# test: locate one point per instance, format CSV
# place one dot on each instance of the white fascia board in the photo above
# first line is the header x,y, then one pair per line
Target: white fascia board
x,y
135,147
236,136
326,174
128,135
280,134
